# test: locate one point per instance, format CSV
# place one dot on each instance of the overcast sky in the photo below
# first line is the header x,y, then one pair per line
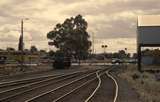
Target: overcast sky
x,y
113,22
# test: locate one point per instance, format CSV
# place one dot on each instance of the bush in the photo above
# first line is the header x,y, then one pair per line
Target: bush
x,y
135,76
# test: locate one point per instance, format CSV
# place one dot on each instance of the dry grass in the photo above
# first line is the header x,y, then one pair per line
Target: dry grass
x,y
15,70
144,83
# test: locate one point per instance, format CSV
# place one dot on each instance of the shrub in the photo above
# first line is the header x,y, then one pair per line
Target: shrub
x,y
135,76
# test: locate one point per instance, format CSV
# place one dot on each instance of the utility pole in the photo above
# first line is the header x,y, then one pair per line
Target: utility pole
x,y
93,40
22,34
21,43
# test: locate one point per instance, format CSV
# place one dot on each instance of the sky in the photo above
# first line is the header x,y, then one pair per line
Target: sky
x,y
112,22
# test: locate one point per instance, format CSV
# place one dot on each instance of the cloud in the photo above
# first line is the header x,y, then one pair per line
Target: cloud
x,y
116,44
107,19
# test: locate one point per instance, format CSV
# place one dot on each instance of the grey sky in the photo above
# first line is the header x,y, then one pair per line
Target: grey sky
x,y
109,20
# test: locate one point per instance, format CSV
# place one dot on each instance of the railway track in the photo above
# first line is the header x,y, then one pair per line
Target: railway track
x,y
84,86
58,94
18,83
79,94
13,84
29,80
33,89
116,85
108,90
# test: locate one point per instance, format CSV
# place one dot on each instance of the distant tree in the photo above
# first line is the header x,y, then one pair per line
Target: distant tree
x,y
42,51
156,53
1,50
146,52
51,53
115,55
33,49
128,55
135,55
10,49
71,37
122,54
26,50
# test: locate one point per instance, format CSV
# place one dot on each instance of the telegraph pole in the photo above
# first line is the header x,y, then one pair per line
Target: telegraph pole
x,y
21,43
93,42
22,35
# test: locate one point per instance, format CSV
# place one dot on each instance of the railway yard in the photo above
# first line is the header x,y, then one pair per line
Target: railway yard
x,y
97,84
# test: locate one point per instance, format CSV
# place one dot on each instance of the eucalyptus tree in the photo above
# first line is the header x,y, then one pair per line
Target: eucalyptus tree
x,y
71,37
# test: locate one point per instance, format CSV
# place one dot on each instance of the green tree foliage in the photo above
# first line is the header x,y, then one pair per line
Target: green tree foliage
x,y
51,53
42,51
33,49
1,50
71,37
10,49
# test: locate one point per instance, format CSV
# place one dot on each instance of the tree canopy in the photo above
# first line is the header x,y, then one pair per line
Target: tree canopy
x,y
33,49
10,49
71,37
